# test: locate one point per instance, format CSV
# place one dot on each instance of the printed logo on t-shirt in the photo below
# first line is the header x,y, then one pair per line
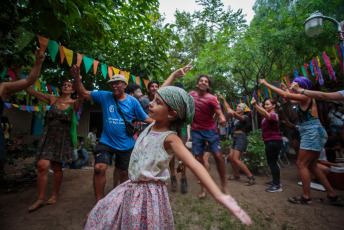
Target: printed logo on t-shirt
x,y
112,108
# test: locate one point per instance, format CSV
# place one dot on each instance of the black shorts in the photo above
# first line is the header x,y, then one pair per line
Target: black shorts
x,y
104,153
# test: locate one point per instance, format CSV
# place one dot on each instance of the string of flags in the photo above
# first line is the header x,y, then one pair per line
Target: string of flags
x,y
315,70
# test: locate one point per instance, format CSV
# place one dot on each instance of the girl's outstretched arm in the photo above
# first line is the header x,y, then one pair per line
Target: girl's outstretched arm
x,y
331,96
174,143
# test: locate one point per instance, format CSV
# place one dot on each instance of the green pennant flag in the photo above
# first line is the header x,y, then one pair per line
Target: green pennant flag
x,y
88,63
53,47
2,75
104,70
133,78
43,87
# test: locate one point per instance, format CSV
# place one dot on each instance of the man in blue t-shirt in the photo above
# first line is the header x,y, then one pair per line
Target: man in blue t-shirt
x,y
114,139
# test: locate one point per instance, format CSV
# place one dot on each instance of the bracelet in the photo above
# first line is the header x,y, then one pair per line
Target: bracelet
x,y
303,91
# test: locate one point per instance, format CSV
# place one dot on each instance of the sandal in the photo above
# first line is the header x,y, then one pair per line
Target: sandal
x,y
300,200
251,181
331,200
234,177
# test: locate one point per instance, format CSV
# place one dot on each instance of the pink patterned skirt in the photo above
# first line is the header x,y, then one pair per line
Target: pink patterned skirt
x,y
141,205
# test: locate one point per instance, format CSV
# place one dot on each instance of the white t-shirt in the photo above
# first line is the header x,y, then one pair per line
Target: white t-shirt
x,y
92,136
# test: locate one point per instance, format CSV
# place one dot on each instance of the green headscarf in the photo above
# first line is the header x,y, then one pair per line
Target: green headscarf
x,y
180,101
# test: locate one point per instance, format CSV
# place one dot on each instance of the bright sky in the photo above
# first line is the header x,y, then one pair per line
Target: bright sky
x,y
168,7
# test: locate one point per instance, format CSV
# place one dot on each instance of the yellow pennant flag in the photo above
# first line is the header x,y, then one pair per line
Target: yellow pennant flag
x,y
79,59
269,92
15,105
38,86
69,55
115,70
36,108
110,71
43,43
58,90
127,75
318,61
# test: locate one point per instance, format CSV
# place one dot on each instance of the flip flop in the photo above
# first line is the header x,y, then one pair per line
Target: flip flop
x,y
300,200
331,200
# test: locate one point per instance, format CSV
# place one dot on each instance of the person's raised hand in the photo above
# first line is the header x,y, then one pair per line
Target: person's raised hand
x,y
230,204
284,87
181,72
253,101
221,97
75,72
40,56
295,88
262,81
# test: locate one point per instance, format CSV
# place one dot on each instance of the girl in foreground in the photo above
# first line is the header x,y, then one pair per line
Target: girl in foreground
x,y
313,139
142,201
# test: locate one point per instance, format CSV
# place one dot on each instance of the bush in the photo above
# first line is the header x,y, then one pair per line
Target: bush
x,y
254,157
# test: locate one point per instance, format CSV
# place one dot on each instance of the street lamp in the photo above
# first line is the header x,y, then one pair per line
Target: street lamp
x,y
315,24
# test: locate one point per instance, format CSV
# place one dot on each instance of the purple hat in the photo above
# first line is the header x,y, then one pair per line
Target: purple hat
x,y
303,82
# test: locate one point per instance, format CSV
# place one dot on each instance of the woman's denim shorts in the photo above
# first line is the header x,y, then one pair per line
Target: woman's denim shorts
x,y
313,135
239,142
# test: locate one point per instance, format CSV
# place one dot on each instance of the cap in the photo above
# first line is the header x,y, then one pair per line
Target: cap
x,y
118,77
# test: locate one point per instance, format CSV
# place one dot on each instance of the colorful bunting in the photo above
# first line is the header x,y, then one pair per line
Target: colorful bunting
x,y
296,73
12,74
104,70
88,63
53,48
110,71
62,53
321,79
329,66
43,43
69,56
95,66
146,83
79,59
2,75
116,71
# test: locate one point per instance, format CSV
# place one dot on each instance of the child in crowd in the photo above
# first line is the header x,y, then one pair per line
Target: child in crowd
x,y
142,201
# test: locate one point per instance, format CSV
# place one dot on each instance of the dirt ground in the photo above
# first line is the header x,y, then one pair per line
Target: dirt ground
x,y
268,210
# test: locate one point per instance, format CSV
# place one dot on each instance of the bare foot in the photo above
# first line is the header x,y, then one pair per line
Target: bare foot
x,y
52,200
201,195
38,204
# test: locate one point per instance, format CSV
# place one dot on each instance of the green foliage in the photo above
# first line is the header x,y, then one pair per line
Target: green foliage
x,y
254,157
88,145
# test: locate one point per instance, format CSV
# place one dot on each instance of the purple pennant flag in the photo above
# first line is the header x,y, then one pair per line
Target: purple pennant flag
x,y
8,105
321,79
32,108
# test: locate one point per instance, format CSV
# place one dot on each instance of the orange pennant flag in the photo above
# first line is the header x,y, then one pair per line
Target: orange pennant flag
x,y
110,71
62,54
146,82
115,70
122,73
69,55
43,42
79,59
137,80
95,66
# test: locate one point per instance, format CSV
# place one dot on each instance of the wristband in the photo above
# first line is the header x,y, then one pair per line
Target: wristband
x,y
303,91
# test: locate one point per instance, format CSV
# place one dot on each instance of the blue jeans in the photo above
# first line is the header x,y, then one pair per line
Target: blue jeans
x,y
82,153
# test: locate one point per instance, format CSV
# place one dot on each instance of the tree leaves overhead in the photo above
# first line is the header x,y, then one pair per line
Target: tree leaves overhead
x,y
128,35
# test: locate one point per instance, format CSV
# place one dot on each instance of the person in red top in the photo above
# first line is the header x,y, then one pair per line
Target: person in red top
x,y
272,139
203,128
